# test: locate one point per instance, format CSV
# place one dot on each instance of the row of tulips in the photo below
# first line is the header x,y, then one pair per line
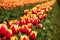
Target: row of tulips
x,y
25,24
6,4
14,3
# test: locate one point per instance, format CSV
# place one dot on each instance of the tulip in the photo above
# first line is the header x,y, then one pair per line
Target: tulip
x,y
16,22
14,29
30,25
40,16
24,37
29,31
35,21
44,16
11,22
26,11
19,29
23,22
13,38
39,13
3,30
29,20
33,35
39,26
24,28
9,33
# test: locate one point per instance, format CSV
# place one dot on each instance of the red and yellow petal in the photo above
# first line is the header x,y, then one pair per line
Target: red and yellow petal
x,y
9,33
13,38
14,29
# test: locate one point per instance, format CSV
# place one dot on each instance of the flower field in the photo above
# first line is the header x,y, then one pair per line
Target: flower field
x,y
15,22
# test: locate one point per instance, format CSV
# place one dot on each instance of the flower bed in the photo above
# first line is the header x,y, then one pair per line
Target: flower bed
x,y
5,4
24,26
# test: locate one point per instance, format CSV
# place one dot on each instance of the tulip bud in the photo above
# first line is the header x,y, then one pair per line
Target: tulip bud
x,y
24,37
29,20
44,8
33,35
39,26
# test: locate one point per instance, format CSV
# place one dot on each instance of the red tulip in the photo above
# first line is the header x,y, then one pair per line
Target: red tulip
x,y
29,20
29,31
21,18
16,22
19,29
9,33
44,8
26,11
23,22
34,10
24,29
33,35
3,30
44,16
38,10
14,29
39,13
35,21
24,37
39,26
30,25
